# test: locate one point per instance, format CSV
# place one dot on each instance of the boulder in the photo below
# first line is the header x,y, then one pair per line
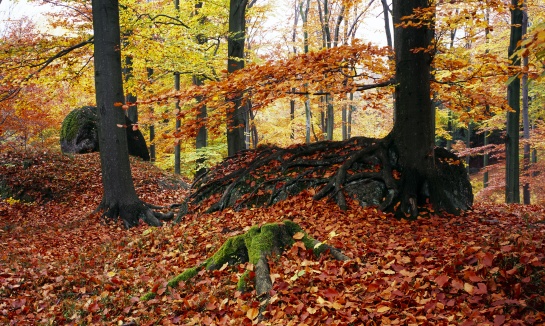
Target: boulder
x,y
79,134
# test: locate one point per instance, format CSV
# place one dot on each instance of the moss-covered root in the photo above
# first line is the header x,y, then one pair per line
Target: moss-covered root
x,y
255,246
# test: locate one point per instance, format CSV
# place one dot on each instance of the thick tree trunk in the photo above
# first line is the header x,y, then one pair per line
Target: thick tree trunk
x,y
119,199
236,116
512,191
414,130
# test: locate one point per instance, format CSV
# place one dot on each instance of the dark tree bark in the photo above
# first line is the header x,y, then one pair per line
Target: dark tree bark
x,y
235,47
119,199
512,191
525,119
386,11
178,125
414,121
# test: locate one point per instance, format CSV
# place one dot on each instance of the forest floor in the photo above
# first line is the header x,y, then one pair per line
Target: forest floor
x,y
61,264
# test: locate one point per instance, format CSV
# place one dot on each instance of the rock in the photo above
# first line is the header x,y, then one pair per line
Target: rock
x,y
79,134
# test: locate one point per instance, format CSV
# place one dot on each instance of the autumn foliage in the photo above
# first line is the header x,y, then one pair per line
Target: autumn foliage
x,y
61,264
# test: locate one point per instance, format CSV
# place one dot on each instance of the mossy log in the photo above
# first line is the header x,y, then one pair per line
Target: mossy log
x,y
365,169
256,246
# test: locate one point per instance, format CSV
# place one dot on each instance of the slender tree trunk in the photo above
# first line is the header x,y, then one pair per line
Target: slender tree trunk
x,y
152,125
512,191
236,116
178,123
201,140
349,120
303,11
386,11
468,143
485,161
119,198
525,118
178,126
344,125
292,118
485,134
330,117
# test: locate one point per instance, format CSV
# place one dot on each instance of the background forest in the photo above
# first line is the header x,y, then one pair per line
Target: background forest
x,y
47,72
204,81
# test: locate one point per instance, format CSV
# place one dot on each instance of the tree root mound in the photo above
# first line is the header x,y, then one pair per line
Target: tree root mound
x,y
256,246
362,168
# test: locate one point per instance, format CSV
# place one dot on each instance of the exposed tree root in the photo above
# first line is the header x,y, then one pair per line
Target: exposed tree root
x,y
132,212
362,168
256,246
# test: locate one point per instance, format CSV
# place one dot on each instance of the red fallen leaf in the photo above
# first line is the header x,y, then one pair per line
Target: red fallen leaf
x,y
94,307
481,289
487,259
512,271
441,280
499,320
116,280
457,284
508,248
162,289
470,275
330,294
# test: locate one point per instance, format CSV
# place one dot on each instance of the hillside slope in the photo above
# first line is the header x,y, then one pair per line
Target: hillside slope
x,y
60,264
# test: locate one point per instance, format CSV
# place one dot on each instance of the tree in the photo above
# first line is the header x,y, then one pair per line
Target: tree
x,y
236,122
414,118
512,191
119,199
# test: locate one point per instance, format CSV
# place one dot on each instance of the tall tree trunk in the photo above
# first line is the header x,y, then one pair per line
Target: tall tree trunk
x,y
525,118
178,126
235,48
386,11
349,119
344,126
468,143
512,191
178,123
201,140
152,125
485,134
119,198
303,11
414,118
330,117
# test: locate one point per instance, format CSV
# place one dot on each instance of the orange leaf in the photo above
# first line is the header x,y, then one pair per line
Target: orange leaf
x,y
382,309
252,313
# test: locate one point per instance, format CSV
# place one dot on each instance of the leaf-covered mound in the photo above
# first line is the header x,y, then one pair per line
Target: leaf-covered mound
x,y
60,265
